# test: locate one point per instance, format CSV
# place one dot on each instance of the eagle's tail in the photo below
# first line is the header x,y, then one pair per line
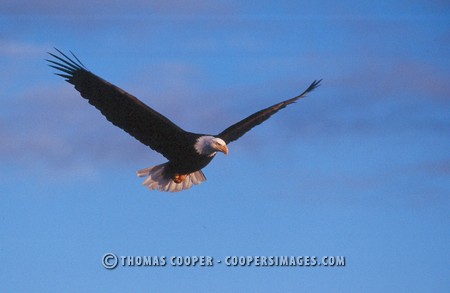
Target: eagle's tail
x,y
157,179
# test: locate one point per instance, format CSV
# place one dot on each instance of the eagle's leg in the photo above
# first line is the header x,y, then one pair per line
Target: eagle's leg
x,y
178,178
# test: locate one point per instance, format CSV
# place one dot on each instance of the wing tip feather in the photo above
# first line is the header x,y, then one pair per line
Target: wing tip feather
x,y
315,84
64,63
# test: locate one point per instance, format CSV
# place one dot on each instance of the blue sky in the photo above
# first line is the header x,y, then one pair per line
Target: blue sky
x,y
360,168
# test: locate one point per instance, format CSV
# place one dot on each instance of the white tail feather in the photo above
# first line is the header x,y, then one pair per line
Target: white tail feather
x,y
157,181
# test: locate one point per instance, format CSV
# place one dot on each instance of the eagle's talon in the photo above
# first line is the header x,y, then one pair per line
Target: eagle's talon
x,y
179,178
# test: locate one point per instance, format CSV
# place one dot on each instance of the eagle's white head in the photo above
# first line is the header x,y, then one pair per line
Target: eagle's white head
x,y
209,145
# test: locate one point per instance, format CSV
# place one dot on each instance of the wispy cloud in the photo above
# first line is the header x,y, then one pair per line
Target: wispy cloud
x,y
54,127
104,7
14,49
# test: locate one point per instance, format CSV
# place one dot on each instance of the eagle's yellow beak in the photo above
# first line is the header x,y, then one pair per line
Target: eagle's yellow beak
x,y
223,149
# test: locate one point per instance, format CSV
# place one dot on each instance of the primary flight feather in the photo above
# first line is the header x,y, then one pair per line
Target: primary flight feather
x,y
187,153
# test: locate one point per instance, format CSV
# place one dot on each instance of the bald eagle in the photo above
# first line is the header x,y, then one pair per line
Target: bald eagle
x,y
187,153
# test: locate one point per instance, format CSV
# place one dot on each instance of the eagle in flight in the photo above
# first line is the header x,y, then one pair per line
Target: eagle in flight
x,y
187,153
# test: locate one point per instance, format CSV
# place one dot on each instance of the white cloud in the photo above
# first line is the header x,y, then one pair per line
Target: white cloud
x,y
14,49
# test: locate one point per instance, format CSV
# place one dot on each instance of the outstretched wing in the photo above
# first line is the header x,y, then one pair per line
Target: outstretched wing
x,y
237,130
122,109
